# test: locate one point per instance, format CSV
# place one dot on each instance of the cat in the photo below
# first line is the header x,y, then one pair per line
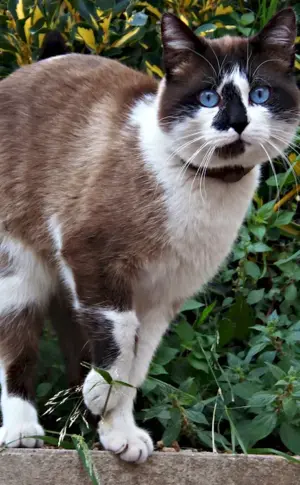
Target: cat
x,y
124,195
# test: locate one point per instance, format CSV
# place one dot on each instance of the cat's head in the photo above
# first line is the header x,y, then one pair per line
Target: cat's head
x,y
230,100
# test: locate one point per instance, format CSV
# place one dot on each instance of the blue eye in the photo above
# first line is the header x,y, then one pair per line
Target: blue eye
x,y
209,98
260,94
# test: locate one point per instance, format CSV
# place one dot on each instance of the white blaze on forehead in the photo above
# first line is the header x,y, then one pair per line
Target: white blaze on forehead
x,y
240,81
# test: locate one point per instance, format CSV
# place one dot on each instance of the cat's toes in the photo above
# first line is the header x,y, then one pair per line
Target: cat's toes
x,y
95,391
22,435
131,443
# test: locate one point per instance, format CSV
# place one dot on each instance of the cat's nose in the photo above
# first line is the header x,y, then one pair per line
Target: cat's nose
x,y
239,125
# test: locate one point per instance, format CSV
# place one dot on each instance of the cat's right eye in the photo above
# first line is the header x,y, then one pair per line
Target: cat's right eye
x,y
209,98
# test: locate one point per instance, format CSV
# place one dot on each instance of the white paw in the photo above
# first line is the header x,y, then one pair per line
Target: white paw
x,y
21,435
95,391
131,443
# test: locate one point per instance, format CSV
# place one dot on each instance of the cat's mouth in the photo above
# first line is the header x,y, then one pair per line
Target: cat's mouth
x,y
231,150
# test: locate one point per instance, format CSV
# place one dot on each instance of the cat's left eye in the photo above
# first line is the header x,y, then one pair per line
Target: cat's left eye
x,y
209,98
260,94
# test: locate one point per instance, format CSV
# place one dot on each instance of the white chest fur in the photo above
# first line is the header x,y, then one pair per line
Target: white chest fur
x,y
201,225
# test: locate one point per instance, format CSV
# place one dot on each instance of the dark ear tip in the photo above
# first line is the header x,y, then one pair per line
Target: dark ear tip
x,y
168,17
287,12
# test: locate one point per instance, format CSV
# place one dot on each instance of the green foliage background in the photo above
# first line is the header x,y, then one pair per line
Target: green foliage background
x,y
227,375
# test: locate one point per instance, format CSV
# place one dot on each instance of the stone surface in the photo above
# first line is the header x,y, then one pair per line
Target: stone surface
x,y
60,467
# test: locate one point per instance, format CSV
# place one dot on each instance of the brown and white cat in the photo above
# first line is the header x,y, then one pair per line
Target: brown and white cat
x,y
128,194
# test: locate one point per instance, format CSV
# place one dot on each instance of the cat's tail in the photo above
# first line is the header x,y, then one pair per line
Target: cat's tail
x,y
53,45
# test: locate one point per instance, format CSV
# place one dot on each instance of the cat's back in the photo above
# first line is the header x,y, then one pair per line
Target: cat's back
x,y
58,118
63,86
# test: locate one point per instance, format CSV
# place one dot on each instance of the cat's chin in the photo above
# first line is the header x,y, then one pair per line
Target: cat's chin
x,y
231,150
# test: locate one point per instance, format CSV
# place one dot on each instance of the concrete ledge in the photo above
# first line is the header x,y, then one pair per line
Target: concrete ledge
x,y
63,467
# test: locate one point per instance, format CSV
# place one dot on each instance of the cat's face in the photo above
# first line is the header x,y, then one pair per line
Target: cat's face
x,y
229,100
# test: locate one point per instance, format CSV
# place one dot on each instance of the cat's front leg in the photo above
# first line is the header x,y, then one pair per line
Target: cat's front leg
x,y
113,341
112,335
117,429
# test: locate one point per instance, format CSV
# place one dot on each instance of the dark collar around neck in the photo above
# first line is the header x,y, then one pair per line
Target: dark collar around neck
x,y
228,174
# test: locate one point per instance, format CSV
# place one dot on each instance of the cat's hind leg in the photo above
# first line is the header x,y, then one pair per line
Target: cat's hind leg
x,y
25,286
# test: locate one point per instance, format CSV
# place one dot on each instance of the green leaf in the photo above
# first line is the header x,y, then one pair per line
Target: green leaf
x,y
205,28
196,416
245,389
293,337
271,451
106,375
43,389
122,383
156,412
287,260
266,210
165,354
173,429
157,369
191,305
259,247
261,399
290,293
262,426
139,19
198,364
255,350
205,438
252,270
51,440
290,436
207,311
276,371
236,322
255,296
258,230
283,218
290,408
247,18
185,331
86,458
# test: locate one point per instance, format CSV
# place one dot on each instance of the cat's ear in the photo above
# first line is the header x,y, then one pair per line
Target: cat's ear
x,y
179,43
280,31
